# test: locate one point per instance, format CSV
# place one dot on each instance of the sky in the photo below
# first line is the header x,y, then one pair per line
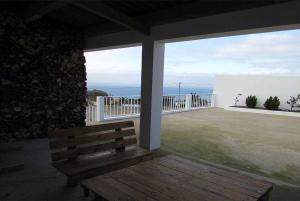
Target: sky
x,y
195,63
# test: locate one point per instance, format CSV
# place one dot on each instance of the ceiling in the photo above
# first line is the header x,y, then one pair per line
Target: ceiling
x,y
109,16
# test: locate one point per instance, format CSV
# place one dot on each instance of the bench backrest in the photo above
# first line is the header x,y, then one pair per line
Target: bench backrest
x,y
72,142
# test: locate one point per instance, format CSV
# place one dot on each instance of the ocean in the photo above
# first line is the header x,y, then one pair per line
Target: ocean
x,y
130,91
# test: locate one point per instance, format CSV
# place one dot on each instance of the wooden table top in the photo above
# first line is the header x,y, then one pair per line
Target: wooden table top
x,y
173,178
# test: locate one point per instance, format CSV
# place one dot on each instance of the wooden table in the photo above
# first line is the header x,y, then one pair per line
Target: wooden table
x,y
172,178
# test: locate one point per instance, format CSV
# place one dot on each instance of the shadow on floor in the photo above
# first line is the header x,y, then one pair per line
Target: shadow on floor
x,y
39,181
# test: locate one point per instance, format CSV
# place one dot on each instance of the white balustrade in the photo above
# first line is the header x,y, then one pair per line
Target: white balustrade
x,y
119,107
91,112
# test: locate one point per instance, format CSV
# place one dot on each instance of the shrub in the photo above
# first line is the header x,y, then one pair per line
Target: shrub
x,y
92,95
272,103
292,102
237,99
251,101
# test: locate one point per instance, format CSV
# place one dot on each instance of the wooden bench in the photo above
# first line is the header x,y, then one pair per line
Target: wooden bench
x,y
85,152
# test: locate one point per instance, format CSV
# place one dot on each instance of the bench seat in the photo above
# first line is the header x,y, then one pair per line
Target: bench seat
x,y
81,153
103,163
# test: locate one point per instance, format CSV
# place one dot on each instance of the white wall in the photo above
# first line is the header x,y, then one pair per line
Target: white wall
x,y
226,87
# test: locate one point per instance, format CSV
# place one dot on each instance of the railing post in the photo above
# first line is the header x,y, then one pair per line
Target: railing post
x,y
100,108
212,100
188,99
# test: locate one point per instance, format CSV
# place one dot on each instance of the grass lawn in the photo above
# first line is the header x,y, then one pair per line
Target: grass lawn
x,y
263,144
266,145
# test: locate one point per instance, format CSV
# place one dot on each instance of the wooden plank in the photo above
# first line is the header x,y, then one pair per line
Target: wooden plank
x,y
90,129
76,175
121,149
205,174
259,185
61,142
131,183
61,155
111,192
109,168
74,167
198,182
190,182
173,178
115,190
162,183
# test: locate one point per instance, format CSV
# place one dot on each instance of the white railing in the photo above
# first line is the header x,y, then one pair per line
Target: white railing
x,y
174,103
119,107
91,112
202,101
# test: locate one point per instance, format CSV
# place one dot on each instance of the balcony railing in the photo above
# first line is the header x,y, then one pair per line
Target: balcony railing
x,y
119,107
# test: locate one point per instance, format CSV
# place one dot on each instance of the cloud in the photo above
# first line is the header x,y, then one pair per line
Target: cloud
x,y
195,62
117,61
273,51
113,79
198,80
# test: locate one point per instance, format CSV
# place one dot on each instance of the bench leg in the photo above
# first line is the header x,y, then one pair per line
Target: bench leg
x,y
86,191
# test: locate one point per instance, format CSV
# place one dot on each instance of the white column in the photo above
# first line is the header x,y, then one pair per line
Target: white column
x,y
100,108
188,101
151,93
212,104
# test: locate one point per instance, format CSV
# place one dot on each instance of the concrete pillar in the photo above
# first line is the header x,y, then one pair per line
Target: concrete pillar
x,y
151,93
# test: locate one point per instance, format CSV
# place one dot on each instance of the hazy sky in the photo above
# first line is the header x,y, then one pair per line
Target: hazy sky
x,y
196,62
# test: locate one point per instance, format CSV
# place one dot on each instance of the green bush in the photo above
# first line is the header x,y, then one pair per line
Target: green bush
x,y
272,103
92,95
251,101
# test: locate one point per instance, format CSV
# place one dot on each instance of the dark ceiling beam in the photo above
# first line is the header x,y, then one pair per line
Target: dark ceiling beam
x,y
37,11
101,10
198,9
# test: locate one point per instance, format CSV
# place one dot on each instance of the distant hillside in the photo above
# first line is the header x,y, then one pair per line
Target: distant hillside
x,y
92,94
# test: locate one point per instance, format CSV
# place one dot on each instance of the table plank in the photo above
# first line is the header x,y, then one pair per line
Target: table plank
x,y
218,171
165,184
110,189
243,185
189,181
172,178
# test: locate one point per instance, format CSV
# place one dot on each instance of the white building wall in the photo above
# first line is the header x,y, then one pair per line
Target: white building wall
x,y
226,88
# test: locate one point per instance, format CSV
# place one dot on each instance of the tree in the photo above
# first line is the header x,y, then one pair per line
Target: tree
x,y
292,102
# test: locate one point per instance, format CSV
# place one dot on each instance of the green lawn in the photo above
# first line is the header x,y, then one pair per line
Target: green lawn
x,y
263,144
201,145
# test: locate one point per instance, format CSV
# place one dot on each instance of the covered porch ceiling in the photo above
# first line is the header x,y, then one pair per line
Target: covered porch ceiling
x,y
102,17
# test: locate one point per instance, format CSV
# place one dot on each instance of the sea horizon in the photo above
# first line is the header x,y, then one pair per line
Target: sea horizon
x,y
136,90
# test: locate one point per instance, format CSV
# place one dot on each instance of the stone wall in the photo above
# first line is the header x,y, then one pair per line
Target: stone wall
x,y
43,78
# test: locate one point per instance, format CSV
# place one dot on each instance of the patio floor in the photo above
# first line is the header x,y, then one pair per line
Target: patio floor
x,y
39,181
